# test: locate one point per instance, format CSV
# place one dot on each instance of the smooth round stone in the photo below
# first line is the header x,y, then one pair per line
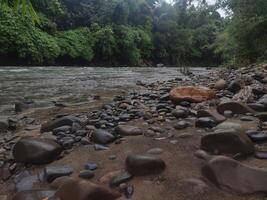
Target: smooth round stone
x,y
86,174
181,125
261,155
205,122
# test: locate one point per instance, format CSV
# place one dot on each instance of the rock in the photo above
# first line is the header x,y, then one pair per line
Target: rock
x,y
234,86
64,129
36,151
59,181
3,126
180,113
129,191
229,125
263,101
126,130
119,179
257,136
34,195
262,116
155,151
99,147
205,122
227,142
261,155
102,136
62,121
229,174
191,94
84,190
212,114
91,166
56,171
181,125
257,107
220,84
86,174
140,165
235,107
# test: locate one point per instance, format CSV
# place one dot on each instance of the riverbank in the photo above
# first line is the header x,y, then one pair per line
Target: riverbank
x,y
109,136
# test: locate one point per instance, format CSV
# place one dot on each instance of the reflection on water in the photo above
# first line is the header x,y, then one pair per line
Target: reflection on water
x,y
45,84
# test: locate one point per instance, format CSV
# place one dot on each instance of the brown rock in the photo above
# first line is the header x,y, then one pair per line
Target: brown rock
x,y
229,174
84,190
191,94
227,142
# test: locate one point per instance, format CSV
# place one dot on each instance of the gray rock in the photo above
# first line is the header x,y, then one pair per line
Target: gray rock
x,y
56,171
3,126
227,142
234,86
141,165
126,130
102,136
181,125
86,174
119,179
63,121
36,151
205,122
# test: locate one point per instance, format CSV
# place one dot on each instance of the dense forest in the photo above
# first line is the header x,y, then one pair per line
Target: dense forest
x,y
132,32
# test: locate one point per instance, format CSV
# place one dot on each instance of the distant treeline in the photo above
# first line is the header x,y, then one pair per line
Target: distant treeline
x,y
132,32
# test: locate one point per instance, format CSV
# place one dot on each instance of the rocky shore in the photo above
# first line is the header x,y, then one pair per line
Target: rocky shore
x,y
201,137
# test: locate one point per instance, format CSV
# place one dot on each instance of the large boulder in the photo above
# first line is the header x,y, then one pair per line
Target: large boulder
x,y
34,195
102,136
36,151
126,130
191,94
235,107
141,165
63,121
84,190
229,142
229,174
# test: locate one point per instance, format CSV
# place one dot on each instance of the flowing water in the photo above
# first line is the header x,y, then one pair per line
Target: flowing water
x,y
44,85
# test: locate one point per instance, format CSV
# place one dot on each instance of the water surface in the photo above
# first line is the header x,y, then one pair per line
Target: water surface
x,y
44,85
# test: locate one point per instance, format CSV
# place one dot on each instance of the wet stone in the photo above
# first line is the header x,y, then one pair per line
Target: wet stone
x,y
86,174
181,125
56,171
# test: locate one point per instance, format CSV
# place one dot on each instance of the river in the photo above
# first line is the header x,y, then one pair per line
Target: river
x,y
44,85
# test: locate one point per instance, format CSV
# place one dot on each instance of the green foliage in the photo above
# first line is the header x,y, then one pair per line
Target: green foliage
x,y
105,44
245,38
76,43
20,37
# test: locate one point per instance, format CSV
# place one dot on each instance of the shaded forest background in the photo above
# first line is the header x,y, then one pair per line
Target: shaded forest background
x,y
132,32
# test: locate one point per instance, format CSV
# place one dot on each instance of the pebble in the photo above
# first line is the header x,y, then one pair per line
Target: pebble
x,y
86,174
